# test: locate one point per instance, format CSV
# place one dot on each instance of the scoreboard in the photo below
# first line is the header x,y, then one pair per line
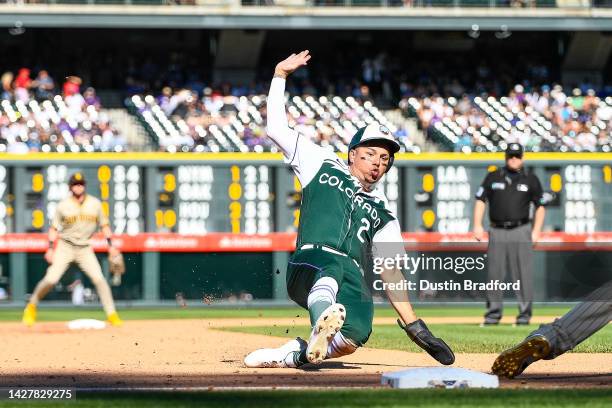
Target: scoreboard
x,y
201,198
578,195
195,194
119,187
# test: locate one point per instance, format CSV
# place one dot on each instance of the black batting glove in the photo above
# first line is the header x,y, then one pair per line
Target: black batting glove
x,y
436,347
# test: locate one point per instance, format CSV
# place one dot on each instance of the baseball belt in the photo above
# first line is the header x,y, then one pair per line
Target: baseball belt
x,y
327,249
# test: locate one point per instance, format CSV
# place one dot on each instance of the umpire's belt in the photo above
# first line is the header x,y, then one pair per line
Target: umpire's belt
x,y
327,249
509,224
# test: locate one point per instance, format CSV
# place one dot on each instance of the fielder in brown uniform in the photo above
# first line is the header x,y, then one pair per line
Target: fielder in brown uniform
x,y
76,219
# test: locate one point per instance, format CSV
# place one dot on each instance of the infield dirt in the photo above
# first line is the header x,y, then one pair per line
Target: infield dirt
x,y
193,353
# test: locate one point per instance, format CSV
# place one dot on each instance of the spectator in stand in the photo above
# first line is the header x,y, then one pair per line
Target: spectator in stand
x,y
22,85
591,102
112,141
541,103
91,99
213,102
72,96
164,99
7,85
586,140
362,93
577,100
604,140
558,95
44,85
71,86
75,102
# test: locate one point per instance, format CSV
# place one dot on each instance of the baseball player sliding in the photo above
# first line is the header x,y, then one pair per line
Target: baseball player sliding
x,y
344,213
76,219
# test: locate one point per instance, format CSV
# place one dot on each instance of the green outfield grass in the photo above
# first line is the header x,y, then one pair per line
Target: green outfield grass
x,y
334,398
48,314
463,338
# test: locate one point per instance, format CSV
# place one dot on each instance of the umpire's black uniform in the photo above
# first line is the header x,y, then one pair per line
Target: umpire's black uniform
x,y
509,194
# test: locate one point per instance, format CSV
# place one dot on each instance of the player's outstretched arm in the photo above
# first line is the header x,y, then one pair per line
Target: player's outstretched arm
x,y
277,127
393,277
416,329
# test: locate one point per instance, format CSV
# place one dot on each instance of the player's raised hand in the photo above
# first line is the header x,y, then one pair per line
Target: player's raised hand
x,y
291,63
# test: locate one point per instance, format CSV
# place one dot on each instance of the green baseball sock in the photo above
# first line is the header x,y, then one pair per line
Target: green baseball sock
x,y
316,309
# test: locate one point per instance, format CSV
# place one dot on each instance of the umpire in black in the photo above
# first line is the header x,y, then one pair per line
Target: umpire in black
x,y
509,192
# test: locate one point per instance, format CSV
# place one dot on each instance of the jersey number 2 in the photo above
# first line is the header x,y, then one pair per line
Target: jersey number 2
x,y
362,229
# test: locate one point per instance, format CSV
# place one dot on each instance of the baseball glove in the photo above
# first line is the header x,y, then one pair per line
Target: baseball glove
x,y
436,347
116,266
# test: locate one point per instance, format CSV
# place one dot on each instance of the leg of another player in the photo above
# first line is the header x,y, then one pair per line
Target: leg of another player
x,y
521,268
496,269
584,319
63,256
87,261
551,340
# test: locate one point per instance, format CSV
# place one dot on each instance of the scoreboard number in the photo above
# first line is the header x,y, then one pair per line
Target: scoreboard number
x,y
257,200
194,184
126,196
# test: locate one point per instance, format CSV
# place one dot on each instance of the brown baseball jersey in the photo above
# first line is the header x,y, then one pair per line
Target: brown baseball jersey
x,y
76,222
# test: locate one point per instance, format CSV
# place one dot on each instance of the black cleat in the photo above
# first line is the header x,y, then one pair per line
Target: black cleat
x,y
514,361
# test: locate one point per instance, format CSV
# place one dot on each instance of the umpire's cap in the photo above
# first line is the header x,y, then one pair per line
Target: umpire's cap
x,y
514,150
77,178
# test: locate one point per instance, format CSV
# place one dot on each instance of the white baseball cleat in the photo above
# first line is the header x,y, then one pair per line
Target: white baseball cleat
x,y
282,357
328,324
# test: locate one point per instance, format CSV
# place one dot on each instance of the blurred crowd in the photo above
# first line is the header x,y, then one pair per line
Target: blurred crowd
x,y
574,120
237,123
213,108
39,114
34,117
